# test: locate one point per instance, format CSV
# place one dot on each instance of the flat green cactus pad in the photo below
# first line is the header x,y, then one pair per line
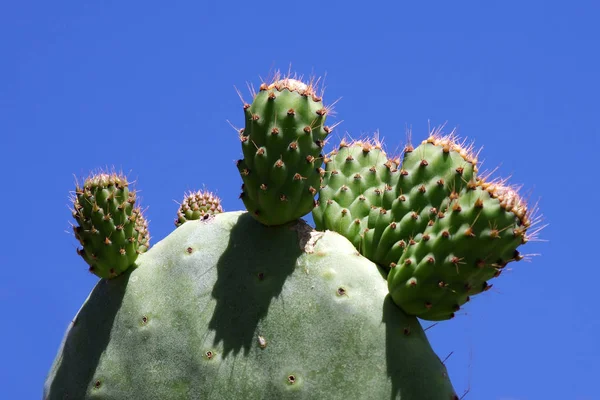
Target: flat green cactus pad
x,y
226,308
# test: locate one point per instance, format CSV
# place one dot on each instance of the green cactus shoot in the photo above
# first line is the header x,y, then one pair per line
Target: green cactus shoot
x,y
110,229
257,304
282,141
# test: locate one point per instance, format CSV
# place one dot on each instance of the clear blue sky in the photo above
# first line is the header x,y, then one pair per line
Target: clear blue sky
x,y
149,88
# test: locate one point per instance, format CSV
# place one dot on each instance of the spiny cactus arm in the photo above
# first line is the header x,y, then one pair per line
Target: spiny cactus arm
x,y
436,169
471,241
354,182
282,141
442,231
110,228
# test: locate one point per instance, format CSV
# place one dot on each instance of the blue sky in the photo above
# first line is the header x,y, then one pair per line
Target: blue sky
x,y
149,88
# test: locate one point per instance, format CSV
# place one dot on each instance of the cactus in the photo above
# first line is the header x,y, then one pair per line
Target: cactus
x,y
197,205
226,308
356,178
428,174
456,255
110,228
257,304
281,143
440,229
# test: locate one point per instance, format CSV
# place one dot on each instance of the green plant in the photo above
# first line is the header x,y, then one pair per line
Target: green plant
x,y
226,308
258,304
282,143
440,229
197,205
112,231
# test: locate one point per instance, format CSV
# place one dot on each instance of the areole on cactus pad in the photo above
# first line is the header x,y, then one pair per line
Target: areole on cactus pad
x,y
257,304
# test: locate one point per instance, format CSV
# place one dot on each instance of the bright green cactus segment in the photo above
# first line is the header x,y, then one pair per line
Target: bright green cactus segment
x,y
436,169
110,228
355,180
282,141
430,173
198,205
230,309
470,242
413,218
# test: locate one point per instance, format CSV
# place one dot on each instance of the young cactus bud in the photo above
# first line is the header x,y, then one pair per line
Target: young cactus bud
x,y
198,205
112,231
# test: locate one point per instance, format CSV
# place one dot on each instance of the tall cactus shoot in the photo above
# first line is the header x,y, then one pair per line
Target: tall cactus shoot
x,y
111,229
427,175
282,141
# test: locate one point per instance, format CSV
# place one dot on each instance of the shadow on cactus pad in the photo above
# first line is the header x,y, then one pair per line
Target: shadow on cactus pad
x,y
88,337
250,274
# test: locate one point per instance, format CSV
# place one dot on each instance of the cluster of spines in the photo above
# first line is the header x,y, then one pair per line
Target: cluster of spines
x,y
282,142
110,228
198,205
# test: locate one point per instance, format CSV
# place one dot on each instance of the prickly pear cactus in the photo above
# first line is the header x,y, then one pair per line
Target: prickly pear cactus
x,y
439,229
226,308
458,253
197,205
435,170
356,177
112,231
282,141
258,305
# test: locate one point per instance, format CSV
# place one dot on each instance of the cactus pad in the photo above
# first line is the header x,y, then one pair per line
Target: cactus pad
x,y
110,228
230,309
355,180
282,140
473,238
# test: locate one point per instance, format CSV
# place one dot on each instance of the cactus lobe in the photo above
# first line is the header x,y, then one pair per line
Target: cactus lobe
x,y
282,141
110,228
